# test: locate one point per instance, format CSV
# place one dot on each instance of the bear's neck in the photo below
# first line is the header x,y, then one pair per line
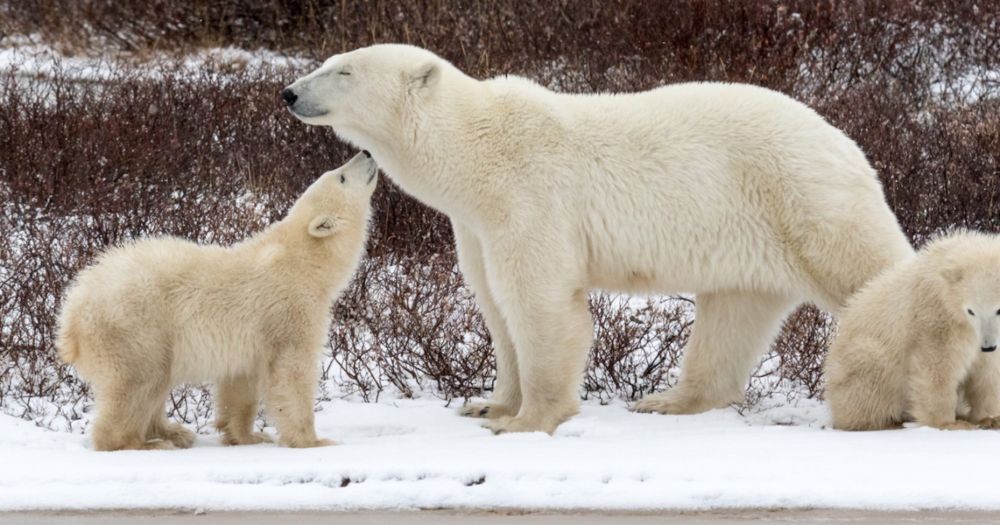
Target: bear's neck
x,y
325,264
435,154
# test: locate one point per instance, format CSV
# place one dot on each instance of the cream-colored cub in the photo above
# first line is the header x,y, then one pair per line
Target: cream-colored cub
x,y
919,338
159,312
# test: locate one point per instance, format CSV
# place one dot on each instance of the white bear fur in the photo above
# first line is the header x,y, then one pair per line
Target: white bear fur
x,y
159,312
736,193
910,345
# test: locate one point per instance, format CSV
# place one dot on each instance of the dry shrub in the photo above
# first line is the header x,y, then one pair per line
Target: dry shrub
x,y
637,345
213,157
411,326
88,165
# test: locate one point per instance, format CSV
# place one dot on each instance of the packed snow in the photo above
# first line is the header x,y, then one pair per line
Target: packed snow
x,y
420,454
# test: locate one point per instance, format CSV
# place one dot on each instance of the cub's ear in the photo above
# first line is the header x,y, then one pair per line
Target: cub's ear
x,y
426,75
323,225
952,274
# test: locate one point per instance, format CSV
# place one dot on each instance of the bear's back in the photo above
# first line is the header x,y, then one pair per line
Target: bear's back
x,y
131,278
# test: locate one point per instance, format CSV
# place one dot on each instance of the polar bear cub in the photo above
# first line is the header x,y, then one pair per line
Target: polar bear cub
x,y
251,318
919,338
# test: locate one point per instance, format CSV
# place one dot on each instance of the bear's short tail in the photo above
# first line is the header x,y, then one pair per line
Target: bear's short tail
x,y
67,344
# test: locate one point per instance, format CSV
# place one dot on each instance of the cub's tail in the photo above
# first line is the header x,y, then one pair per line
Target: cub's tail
x,y
67,344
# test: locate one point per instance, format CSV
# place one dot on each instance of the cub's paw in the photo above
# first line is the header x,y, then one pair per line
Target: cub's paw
x,y
672,402
179,436
956,425
990,423
485,409
308,443
158,444
252,438
508,424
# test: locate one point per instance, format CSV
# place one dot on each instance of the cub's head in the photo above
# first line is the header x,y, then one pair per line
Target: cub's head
x,y
363,94
339,201
972,277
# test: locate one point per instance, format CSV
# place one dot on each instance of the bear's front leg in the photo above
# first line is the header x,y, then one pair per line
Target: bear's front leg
x,y
982,391
165,430
549,318
933,390
237,400
291,387
506,398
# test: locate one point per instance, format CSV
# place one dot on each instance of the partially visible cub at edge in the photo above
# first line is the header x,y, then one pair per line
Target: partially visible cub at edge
x,y
919,339
252,318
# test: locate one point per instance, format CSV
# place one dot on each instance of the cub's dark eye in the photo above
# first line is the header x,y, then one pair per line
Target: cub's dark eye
x,y
998,312
343,180
345,73
973,314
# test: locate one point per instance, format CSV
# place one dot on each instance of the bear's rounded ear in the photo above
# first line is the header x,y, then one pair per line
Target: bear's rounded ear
x,y
426,75
323,225
952,274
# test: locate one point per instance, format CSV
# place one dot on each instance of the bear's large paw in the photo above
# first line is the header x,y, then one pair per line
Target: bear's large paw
x,y
307,443
675,402
253,438
486,409
990,423
179,436
955,425
157,444
507,424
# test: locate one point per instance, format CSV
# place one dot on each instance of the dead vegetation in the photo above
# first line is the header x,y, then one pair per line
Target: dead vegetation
x,y
84,165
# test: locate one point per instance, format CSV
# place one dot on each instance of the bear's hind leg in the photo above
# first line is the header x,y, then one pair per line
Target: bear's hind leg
x,y
126,411
506,398
864,390
237,401
162,428
844,253
731,331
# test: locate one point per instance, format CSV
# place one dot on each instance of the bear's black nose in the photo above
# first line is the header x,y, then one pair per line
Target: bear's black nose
x,y
989,348
289,96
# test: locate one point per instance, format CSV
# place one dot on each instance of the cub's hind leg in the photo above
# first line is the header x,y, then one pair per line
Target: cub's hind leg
x,y
127,407
862,391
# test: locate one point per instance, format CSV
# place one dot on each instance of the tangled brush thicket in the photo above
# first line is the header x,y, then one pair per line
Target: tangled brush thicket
x,y
209,154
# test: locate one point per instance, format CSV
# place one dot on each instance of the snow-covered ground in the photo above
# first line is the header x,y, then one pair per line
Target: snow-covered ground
x,y
420,454
28,56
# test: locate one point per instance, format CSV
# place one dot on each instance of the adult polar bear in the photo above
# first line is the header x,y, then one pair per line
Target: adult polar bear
x,y
738,194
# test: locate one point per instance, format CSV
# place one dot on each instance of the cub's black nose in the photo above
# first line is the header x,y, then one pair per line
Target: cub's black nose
x,y
369,155
989,348
289,96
